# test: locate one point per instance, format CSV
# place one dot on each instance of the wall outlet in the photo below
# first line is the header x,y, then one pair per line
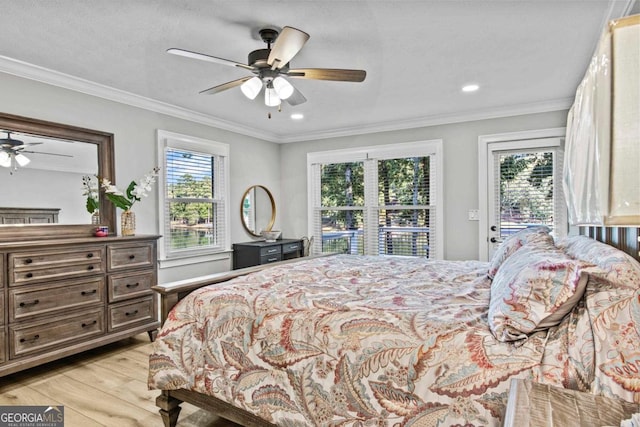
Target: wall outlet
x,y
474,215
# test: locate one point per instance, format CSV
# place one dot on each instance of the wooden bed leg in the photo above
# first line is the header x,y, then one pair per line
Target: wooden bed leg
x,y
152,334
169,409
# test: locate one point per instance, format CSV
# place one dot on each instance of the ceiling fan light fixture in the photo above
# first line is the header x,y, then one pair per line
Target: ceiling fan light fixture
x,y
252,87
22,160
5,159
271,98
283,88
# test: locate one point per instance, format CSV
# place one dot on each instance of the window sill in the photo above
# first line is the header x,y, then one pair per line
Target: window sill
x,y
194,259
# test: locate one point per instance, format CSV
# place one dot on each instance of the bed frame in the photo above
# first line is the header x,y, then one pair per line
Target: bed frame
x,y
626,239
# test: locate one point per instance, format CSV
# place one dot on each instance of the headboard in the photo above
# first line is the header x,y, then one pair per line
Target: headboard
x,y
626,239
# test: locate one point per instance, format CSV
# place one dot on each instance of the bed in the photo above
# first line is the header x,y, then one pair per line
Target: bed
x,y
389,341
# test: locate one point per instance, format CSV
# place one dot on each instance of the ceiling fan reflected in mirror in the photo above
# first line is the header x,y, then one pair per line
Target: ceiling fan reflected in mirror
x,y
12,152
271,68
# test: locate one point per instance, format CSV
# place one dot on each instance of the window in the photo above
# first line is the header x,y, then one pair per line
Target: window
x,y
193,196
384,200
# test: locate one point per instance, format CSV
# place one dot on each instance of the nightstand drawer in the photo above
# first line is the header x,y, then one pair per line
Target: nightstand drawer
x,y
126,286
135,255
271,250
266,259
125,314
45,335
287,248
30,301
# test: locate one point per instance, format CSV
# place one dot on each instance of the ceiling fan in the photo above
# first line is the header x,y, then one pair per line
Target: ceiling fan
x,y
270,66
12,152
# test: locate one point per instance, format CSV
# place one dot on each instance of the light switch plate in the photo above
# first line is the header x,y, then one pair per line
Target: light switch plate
x,y
474,215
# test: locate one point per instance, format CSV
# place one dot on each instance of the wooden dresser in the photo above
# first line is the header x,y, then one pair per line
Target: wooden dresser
x,y
62,296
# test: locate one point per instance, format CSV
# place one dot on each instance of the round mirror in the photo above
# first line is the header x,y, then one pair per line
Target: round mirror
x,y
257,210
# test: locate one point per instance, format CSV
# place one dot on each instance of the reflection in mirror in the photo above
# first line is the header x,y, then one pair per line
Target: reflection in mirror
x,y
58,156
257,210
52,178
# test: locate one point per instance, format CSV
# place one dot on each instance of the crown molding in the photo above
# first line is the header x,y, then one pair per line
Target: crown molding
x,y
44,75
435,120
55,78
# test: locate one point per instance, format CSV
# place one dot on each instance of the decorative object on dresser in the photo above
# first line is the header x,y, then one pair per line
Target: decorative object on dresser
x,y
249,254
64,296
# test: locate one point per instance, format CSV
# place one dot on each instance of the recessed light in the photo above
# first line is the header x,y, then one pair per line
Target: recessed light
x,y
297,116
470,88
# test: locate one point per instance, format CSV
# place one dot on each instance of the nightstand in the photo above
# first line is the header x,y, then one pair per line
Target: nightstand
x,y
257,253
535,405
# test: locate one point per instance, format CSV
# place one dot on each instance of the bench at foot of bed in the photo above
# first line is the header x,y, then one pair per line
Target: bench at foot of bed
x,y
169,403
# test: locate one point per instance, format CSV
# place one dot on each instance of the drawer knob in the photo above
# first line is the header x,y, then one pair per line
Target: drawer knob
x,y
90,255
32,339
91,292
84,325
28,261
132,256
131,313
29,275
91,267
26,303
133,285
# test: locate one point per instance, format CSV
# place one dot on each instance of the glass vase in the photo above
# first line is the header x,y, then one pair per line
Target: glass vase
x,y
128,223
95,218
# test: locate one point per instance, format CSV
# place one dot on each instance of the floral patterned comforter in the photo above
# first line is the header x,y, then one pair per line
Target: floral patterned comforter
x,y
355,341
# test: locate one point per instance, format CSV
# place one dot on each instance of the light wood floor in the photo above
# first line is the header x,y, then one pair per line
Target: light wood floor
x,y
101,387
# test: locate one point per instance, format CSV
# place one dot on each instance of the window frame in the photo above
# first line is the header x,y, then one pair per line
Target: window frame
x,y
171,140
382,152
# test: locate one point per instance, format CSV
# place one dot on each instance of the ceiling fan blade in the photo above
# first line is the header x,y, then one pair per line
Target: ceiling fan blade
x,y
225,86
48,154
296,97
287,45
335,74
209,58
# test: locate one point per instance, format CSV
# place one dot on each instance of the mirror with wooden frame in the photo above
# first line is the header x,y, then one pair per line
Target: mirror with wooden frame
x,y
257,210
43,143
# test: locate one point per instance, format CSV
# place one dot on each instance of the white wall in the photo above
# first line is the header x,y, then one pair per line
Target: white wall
x,y
460,172
134,132
281,168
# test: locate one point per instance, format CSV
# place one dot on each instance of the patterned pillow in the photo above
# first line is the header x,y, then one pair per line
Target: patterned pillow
x,y
616,266
533,290
533,235
614,312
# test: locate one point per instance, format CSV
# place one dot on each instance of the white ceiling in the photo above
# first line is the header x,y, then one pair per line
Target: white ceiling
x,y
526,55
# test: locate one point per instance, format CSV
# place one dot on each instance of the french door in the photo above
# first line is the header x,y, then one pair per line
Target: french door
x,y
524,188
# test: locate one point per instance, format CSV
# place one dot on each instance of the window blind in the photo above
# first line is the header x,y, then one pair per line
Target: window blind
x,y
526,190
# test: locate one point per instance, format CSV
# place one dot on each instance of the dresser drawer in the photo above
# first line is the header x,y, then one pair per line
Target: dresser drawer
x,y
53,258
1,308
50,299
33,267
2,346
126,314
45,335
134,255
126,285
1,270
